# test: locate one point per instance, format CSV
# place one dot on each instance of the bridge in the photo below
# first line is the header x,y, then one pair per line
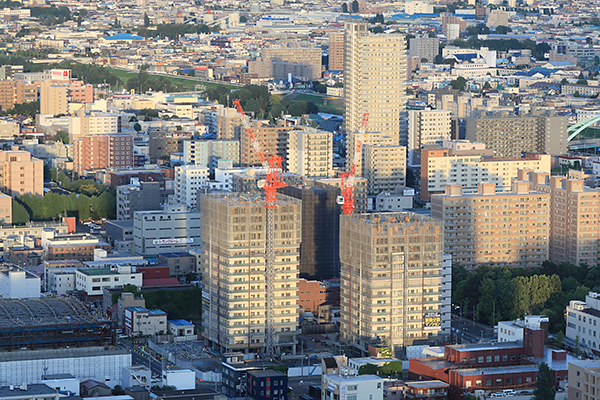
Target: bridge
x,y
579,127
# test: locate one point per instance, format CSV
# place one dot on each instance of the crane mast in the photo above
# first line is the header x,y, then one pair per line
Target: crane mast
x,y
348,178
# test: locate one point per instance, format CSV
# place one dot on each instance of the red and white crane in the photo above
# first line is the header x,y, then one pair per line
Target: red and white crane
x,y
348,178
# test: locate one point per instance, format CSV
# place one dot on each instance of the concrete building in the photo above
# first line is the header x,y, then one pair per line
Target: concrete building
x,y
510,136
15,92
395,201
336,50
71,246
93,123
312,294
224,172
93,281
468,164
310,153
299,53
374,79
359,193
273,141
384,168
207,153
20,173
103,151
189,179
137,196
424,48
173,229
8,130
179,264
141,321
345,386
494,228
583,321
268,384
233,272
511,331
162,144
584,379
5,209
382,301
570,205
426,127
55,96
434,390
180,327
18,283
222,121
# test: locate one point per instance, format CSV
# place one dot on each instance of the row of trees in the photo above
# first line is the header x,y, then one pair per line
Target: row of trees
x,y
174,31
186,303
53,205
144,81
495,293
538,50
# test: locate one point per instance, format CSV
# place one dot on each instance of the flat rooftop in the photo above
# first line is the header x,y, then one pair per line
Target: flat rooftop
x,y
97,271
427,384
486,346
33,390
86,352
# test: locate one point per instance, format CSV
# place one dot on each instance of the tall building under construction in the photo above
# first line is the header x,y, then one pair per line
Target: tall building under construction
x,y
395,281
234,272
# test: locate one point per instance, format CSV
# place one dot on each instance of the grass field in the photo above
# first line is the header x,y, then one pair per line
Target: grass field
x,y
188,83
326,104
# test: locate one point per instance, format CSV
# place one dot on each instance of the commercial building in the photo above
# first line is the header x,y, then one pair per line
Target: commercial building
x,y
310,153
207,153
141,321
71,246
189,179
267,385
355,386
137,196
424,48
426,127
173,229
234,272
103,151
284,57
494,228
20,173
18,283
511,136
384,301
374,79
92,281
336,51
573,233
468,164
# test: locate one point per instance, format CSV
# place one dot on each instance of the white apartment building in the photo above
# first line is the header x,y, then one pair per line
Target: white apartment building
x,y
181,110
188,180
18,283
511,331
224,173
60,280
426,127
173,229
583,321
92,280
207,153
310,153
347,386
141,321
94,123
385,168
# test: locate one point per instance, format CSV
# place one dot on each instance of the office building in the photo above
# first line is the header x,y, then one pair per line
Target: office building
x,y
374,79
336,51
573,231
233,272
103,151
346,385
383,302
310,153
141,321
426,127
583,321
173,229
20,173
424,48
137,196
18,283
273,141
510,136
207,153
494,228
468,164
319,250
189,179
92,281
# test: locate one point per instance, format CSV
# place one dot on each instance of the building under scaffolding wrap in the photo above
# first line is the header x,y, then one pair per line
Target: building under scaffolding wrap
x,y
393,280
51,323
234,272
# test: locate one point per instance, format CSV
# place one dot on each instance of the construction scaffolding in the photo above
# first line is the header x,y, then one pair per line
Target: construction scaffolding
x,y
51,323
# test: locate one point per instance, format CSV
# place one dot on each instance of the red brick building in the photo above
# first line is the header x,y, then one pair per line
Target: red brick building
x,y
103,151
314,293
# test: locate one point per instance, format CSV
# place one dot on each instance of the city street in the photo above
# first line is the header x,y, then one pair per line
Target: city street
x,y
465,330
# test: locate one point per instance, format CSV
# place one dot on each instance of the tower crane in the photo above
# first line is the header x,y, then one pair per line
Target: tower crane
x,y
348,178
274,181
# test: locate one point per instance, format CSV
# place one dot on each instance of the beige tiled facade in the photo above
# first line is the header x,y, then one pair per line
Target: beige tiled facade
x,y
494,228
584,380
20,173
272,139
385,168
336,51
310,153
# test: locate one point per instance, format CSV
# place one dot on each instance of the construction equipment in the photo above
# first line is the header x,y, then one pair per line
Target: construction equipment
x,y
348,178
273,182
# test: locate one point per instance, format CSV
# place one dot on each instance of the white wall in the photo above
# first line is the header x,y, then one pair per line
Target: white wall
x,y
18,284
64,385
183,379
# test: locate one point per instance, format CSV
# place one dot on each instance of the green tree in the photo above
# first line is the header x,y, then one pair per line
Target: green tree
x,y
393,368
487,297
62,136
377,29
243,19
544,384
355,7
560,338
459,83
146,20
438,59
54,174
577,94
368,369
118,390
20,215
137,127
30,109
503,30
344,8
116,24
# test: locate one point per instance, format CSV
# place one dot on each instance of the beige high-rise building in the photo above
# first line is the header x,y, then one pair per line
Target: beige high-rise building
x,y
336,51
20,173
310,153
93,123
494,228
273,141
233,271
394,284
53,98
374,79
304,53
385,168
426,127
574,232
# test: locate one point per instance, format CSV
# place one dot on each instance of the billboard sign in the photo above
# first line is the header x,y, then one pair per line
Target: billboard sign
x,y
432,320
61,74
173,241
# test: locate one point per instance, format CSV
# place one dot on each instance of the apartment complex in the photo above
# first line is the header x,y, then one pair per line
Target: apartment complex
x,y
16,92
300,53
188,180
426,127
20,173
468,164
222,121
173,229
233,272
103,151
310,153
510,136
208,152
93,123
359,192
494,228
392,280
336,51
55,96
384,167
374,79
573,212
137,196
163,144
141,321
584,379
583,321
273,141
92,281
424,48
